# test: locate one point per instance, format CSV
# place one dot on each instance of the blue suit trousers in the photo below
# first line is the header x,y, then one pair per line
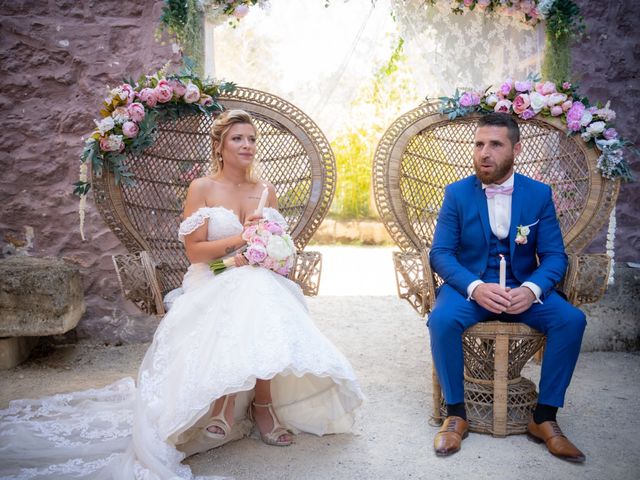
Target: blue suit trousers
x,y
562,324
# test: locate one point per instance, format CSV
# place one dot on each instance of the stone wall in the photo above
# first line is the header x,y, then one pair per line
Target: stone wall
x,y
56,57
606,63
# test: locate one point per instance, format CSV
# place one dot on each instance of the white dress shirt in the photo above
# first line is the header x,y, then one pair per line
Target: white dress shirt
x,y
500,221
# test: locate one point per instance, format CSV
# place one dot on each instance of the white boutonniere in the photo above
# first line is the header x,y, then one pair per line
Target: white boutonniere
x,y
522,232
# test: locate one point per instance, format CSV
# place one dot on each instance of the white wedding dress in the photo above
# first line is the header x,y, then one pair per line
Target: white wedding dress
x,y
221,334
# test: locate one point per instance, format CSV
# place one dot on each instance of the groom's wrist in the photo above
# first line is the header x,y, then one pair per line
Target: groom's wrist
x,y
472,286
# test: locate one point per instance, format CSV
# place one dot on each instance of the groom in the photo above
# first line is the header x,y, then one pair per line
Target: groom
x,y
498,213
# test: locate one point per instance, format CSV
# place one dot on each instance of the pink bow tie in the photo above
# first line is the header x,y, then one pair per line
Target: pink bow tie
x,y
492,191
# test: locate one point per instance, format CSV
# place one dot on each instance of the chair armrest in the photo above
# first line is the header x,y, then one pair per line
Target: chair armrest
x,y
415,280
137,277
586,278
306,272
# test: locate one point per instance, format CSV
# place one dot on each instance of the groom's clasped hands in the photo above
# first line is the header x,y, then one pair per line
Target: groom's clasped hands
x,y
492,297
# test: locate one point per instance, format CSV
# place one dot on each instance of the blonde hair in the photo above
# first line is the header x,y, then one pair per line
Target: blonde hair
x,y
221,126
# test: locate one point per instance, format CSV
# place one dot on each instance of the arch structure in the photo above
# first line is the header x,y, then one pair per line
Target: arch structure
x,y
294,156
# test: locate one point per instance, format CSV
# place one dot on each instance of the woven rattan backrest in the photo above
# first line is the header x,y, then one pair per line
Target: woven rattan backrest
x,y
294,154
423,151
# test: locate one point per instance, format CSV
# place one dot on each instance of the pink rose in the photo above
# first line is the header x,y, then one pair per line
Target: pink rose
x,y
205,100
129,92
556,111
240,11
610,134
566,85
163,91
284,270
528,114
275,228
576,111
255,254
503,106
249,232
521,103
469,99
136,111
148,96
468,3
523,86
178,88
567,105
545,88
574,125
130,129
505,88
112,143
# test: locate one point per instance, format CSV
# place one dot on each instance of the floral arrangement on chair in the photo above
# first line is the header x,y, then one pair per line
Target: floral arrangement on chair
x,y
128,120
129,116
532,98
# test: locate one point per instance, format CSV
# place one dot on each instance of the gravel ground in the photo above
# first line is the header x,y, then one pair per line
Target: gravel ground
x,y
388,346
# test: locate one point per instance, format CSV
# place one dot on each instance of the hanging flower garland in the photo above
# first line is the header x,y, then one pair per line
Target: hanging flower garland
x,y
532,98
232,10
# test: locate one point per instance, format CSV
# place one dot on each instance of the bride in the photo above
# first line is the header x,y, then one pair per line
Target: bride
x,y
236,349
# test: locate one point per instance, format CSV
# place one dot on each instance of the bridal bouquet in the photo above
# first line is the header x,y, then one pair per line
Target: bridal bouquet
x,y
268,246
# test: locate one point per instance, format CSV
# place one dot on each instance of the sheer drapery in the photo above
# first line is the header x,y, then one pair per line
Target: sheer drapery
x,y
472,50
321,59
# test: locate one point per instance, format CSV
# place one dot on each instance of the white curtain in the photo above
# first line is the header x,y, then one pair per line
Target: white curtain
x,y
321,58
469,50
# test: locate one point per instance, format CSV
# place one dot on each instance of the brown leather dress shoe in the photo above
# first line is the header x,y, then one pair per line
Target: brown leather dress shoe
x,y
450,436
549,432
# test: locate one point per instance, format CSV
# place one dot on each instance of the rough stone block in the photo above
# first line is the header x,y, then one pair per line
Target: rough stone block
x,y
39,296
15,350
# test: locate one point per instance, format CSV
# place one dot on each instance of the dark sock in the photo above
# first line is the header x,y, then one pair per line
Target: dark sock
x,y
456,410
544,413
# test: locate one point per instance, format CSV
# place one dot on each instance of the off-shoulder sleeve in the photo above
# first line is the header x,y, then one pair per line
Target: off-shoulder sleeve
x,y
192,223
275,216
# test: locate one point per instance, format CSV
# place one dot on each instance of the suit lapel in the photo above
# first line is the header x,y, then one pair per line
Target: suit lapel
x,y
483,210
516,208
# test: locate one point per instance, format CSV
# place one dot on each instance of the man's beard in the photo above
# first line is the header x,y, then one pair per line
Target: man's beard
x,y
498,174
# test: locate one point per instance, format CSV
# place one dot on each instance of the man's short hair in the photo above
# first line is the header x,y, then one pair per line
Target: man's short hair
x,y
499,119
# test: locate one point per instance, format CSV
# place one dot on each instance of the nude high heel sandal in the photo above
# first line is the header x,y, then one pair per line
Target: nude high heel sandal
x,y
219,421
278,430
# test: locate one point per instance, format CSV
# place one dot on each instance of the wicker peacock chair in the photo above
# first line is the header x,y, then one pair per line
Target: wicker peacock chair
x,y
417,157
295,157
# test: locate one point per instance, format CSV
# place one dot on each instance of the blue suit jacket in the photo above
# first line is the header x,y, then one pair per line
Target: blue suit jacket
x,y
460,248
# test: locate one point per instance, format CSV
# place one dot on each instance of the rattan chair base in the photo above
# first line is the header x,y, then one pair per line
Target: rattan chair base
x,y
479,402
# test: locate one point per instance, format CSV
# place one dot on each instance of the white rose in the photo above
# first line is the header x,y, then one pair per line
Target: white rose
x,y
556,98
524,231
105,125
586,118
491,100
596,128
192,93
120,115
538,101
280,247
